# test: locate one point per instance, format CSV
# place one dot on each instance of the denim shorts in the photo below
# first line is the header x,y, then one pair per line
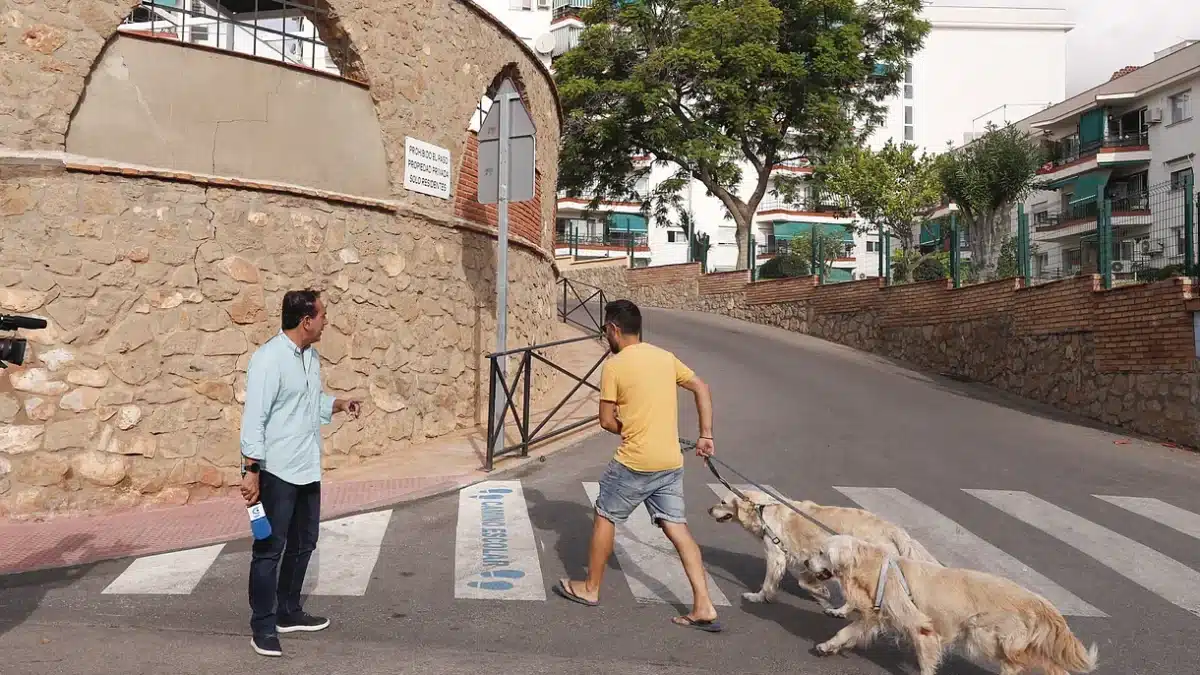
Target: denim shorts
x,y
622,490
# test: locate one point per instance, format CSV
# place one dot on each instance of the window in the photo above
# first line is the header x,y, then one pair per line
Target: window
x,y
676,237
908,122
1178,177
526,5
1181,108
872,246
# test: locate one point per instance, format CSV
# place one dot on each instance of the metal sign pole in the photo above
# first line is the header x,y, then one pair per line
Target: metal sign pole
x,y
502,264
507,150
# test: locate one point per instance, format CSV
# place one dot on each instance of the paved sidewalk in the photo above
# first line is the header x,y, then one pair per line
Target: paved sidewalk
x,y
415,472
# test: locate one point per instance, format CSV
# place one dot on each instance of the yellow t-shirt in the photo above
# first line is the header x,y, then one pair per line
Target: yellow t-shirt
x,y
642,379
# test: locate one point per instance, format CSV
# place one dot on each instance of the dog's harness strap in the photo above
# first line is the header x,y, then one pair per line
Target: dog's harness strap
x,y
780,498
889,562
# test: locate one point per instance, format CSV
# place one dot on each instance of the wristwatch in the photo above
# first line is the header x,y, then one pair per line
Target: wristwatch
x,y
252,468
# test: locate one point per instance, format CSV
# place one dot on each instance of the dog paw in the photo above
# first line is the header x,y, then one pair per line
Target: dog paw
x,y
826,649
755,597
838,612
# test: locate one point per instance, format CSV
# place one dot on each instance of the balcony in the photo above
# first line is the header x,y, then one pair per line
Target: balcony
x,y
1112,149
565,8
775,208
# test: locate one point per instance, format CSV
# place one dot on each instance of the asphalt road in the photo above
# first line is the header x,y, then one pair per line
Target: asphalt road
x,y
811,419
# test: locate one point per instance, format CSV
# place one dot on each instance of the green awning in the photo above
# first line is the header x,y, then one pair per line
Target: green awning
x,y
794,229
1091,126
1089,186
838,274
622,222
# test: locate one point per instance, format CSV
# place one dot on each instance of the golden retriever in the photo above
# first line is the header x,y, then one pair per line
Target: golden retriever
x,y
801,538
997,618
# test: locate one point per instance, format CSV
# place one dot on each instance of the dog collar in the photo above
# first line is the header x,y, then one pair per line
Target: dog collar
x,y
888,562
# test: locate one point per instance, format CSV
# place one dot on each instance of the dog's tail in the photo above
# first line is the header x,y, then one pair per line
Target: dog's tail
x,y
908,547
1053,639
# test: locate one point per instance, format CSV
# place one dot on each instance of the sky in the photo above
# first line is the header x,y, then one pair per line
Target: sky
x,y
1112,34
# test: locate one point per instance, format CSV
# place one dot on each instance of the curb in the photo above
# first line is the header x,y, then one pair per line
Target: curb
x,y
436,490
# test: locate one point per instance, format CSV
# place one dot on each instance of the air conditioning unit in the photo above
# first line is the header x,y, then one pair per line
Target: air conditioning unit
x,y
1122,266
1151,246
1155,116
543,4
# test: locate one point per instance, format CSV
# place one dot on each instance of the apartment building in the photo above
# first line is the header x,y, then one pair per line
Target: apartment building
x,y
1132,140
956,85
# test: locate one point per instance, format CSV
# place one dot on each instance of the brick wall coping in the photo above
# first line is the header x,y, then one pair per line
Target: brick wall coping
x,y
56,160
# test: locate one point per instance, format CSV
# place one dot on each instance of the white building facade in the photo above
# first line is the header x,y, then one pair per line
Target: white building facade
x,y
957,83
1131,140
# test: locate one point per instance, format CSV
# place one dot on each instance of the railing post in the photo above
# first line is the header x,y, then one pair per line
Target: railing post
x,y
528,368
879,251
1024,263
1189,225
752,257
489,457
1104,221
955,251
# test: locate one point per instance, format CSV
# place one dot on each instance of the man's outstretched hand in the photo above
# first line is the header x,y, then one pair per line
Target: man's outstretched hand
x,y
705,448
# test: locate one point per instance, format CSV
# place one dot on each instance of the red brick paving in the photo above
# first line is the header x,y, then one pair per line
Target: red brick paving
x,y
59,542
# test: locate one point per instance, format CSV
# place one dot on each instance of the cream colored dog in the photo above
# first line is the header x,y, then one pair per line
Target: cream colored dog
x,y
800,538
937,606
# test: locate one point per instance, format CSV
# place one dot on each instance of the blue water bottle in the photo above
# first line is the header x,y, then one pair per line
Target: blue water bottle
x,y
260,527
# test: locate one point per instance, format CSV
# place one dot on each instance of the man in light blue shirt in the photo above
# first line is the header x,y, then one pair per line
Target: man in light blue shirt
x,y
281,466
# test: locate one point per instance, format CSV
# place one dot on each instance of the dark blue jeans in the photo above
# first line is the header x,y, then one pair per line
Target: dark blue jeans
x,y
294,512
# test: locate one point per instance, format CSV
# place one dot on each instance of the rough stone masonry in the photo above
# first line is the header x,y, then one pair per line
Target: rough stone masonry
x,y
158,284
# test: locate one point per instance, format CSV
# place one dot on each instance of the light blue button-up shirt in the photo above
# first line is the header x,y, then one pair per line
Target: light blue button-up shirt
x,y
285,408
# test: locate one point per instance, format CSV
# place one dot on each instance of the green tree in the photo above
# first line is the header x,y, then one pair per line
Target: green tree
x,y
711,86
831,246
986,179
890,188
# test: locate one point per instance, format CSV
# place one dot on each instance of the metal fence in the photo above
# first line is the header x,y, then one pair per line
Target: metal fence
x,y
280,30
1134,237
517,397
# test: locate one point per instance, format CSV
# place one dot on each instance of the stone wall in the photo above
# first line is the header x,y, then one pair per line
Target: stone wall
x,y
1124,357
158,283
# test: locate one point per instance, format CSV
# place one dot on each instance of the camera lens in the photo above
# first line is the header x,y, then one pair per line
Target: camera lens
x,y
12,350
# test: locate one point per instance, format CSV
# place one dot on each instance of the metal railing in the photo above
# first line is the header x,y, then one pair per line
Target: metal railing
x,y
570,293
280,30
1145,236
1065,153
613,239
521,410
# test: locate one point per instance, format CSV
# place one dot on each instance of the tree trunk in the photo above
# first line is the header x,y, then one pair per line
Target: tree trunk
x,y
985,245
742,217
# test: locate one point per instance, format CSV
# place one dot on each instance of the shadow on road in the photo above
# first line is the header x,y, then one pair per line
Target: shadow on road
x,y
21,594
813,626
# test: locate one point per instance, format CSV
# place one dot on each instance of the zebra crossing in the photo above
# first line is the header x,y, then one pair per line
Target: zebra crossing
x,y
500,555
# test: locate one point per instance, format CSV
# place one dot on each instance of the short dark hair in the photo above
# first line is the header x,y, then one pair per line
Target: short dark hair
x,y
625,315
297,305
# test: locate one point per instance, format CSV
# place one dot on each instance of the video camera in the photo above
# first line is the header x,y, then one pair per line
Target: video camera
x,y
12,349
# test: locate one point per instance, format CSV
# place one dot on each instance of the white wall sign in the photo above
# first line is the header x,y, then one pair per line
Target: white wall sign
x,y
426,168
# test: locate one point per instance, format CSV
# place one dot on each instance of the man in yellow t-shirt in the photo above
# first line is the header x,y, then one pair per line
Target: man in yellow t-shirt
x,y
639,382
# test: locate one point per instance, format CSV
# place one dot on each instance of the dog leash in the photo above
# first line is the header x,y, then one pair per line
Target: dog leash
x,y
708,461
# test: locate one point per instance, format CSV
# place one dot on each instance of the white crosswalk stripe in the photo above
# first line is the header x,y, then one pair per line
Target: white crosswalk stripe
x,y
1167,577
1160,512
955,546
174,573
347,549
649,561
498,555
495,552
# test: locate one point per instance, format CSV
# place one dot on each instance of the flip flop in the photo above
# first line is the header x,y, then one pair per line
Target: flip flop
x,y
563,590
713,626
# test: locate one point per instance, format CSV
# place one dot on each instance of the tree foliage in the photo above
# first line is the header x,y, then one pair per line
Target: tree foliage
x,y
986,179
708,86
890,188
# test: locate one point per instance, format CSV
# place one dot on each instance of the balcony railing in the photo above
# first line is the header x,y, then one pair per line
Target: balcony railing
x,y
1074,152
614,239
823,204
562,8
